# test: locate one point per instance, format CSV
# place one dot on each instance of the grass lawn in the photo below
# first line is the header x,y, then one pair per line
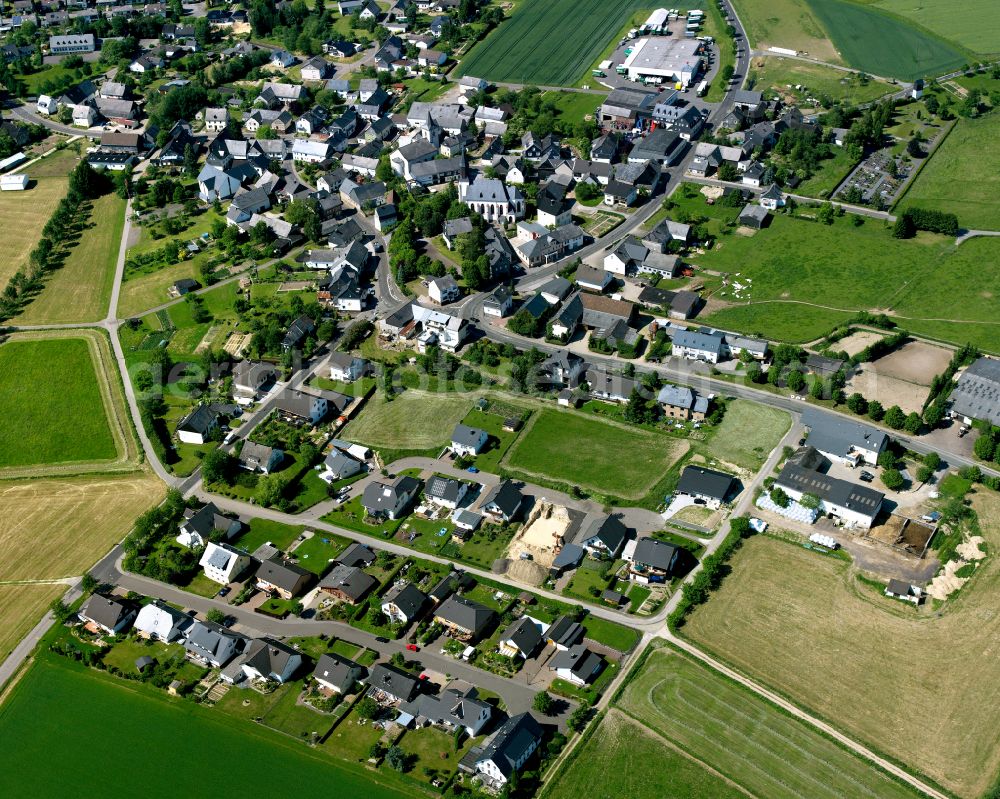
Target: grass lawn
x,y
434,749
57,705
785,616
202,586
782,75
881,44
748,433
786,23
536,45
737,733
585,451
413,420
124,655
141,293
972,26
24,213
499,442
587,576
315,553
60,527
79,291
828,176
958,180
617,755
21,608
573,107
263,530
610,633
54,409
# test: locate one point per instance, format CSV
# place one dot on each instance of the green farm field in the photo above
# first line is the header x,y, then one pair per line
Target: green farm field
x,y
883,44
807,277
54,411
921,686
740,735
79,291
972,24
549,42
617,756
957,179
89,717
586,451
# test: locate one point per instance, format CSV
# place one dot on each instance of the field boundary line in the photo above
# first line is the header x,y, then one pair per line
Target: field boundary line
x,y
923,163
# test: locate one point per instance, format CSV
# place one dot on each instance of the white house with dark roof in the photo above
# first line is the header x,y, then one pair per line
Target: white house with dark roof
x,y
404,602
457,707
855,505
338,674
267,659
445,492
198,525
213,644
109,614
390,499
652,561
507,751
577,665
464,619
699,345
466,440
503,502
710,486
522,638
222,563
842,439
256,457
198,426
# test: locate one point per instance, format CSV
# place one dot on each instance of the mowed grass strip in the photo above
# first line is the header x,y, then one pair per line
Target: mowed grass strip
x,y
413,420
87,716
748,433
615,762
60,527
549,42
972,24
587,451
742,736
21,608
882,44
958,179
53,408
922,687
80,289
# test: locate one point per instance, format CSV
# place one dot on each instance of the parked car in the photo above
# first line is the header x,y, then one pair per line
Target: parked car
x,y
473,470
413,647
867,477
224,591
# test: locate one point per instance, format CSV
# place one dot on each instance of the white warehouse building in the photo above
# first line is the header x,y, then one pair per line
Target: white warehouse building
x,y
665,59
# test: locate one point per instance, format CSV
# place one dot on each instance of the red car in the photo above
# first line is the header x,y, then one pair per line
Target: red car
x,y
413,647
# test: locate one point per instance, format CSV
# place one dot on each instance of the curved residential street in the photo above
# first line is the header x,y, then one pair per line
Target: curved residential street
x,y
516,692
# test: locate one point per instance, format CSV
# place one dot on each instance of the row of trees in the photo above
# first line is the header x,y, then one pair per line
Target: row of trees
x,y
85,184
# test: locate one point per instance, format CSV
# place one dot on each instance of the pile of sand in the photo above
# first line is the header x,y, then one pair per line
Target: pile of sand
x,y
969,550
527,571
946,582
